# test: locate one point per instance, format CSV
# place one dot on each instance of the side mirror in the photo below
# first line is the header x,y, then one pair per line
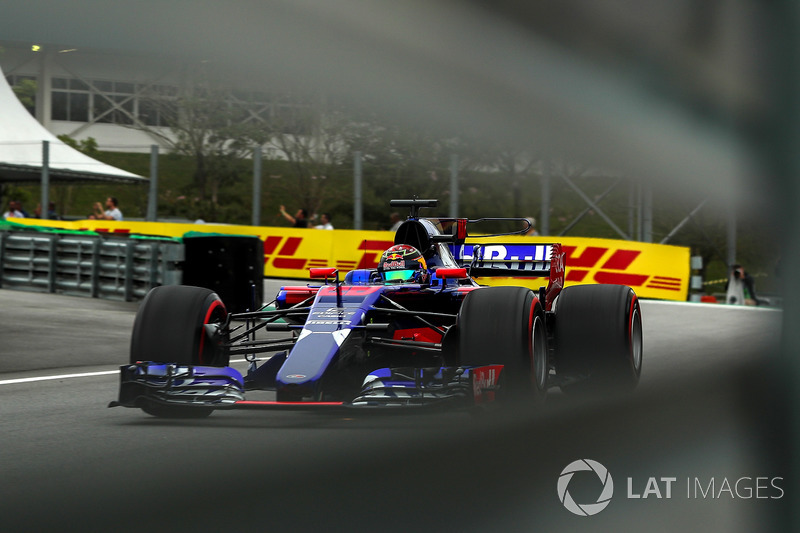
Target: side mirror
x,y
451,273
328,273
325,273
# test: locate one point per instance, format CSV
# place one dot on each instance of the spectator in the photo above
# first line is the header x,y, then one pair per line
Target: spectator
x,y
22,209
395,219
112,211
325,218
740,288
531,232
299,220
51,211
13,210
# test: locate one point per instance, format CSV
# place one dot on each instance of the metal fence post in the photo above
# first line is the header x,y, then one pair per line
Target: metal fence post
x,y
647,215
95,275
52,250
155,249
544,215
358,217
257,186
130,248
152,199
454,186
45,197
731,238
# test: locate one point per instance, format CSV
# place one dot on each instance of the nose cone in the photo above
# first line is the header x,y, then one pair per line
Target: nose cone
x,y
309,359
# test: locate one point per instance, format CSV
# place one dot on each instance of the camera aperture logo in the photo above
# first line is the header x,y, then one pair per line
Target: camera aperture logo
x,y
585,509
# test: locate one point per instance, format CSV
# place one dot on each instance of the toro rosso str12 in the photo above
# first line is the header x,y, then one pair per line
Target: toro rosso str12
x,y
416,331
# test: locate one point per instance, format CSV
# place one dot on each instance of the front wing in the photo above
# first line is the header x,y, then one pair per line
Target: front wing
x,y
223,388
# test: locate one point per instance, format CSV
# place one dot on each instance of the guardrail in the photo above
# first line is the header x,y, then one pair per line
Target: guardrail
x,y
88,265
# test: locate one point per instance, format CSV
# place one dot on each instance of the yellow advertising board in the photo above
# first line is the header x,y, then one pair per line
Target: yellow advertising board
x,y
652,270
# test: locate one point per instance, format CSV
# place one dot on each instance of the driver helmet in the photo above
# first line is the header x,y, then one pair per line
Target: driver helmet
x,y
401,264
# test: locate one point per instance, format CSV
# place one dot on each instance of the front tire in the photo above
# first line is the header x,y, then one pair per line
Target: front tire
x,y
170,328
505,325
598,334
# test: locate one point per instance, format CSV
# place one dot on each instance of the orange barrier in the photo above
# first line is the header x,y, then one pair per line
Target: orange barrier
x,y
652,270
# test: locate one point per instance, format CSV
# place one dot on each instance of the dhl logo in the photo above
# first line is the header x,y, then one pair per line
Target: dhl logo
x,y
595,265
280,252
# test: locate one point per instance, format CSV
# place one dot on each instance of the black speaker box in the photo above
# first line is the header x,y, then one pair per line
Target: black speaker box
x,y
230,265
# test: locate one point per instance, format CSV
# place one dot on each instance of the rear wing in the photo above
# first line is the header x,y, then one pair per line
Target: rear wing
x,y
515,260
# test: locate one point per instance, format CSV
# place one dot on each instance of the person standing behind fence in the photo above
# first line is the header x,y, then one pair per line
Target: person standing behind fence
x,y
299,220
325,219
740,288
22,209
51,212
396,221
112,211
531,231
13,210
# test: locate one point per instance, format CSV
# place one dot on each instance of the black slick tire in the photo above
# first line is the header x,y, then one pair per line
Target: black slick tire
x,y
505,326
170,328
598,336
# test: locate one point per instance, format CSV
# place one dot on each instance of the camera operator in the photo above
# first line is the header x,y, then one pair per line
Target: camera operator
x,y
740,288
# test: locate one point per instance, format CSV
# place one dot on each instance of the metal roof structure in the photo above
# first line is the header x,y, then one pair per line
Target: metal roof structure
x,y
23,150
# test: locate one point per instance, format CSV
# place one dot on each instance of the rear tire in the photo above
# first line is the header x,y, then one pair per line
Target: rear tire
x,y
170,328
598,335
505,326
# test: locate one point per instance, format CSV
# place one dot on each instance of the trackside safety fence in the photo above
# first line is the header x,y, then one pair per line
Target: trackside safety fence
x,y
87,265
658,271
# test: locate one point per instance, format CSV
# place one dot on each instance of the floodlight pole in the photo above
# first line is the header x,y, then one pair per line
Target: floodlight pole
x,y
358,217
544,215
632,208
257,186
44,210
731,235
647,213
454,186
152,198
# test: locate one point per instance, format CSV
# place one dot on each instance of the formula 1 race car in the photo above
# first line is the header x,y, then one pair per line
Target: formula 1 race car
x,y
416,331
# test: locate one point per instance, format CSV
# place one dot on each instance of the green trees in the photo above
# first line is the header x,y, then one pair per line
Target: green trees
x,y
205,128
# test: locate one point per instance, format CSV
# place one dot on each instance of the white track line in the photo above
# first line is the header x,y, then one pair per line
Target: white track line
x,y
61,376
71,376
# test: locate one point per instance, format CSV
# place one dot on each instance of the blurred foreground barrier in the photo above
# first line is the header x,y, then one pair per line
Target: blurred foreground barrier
x,y
87,265
653,270
126,267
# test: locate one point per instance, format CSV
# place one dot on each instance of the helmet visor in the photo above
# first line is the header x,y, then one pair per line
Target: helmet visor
x,y
397,276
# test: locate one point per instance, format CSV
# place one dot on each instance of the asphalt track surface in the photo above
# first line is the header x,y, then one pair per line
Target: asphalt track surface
x,y
709,407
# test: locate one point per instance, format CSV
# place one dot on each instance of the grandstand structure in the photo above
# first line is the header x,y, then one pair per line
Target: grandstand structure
x,y
122,99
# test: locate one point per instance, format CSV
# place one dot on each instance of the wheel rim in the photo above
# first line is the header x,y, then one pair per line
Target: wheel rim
x,y
539,355
215,314
636,340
